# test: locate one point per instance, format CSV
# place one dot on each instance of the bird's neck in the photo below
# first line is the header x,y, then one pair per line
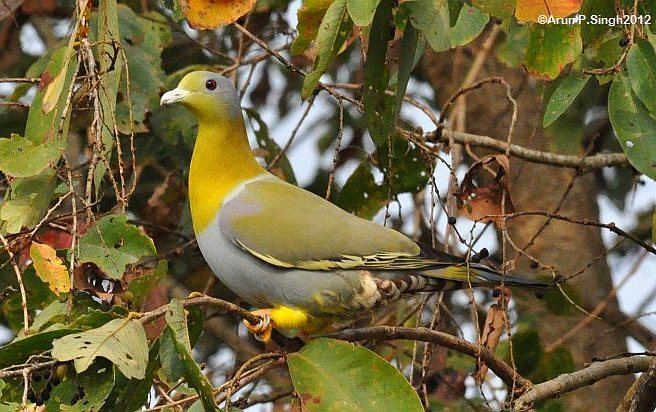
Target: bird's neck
x,y
221,161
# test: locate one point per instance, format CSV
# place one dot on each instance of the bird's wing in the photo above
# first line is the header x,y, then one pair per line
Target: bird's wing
x,y
289,227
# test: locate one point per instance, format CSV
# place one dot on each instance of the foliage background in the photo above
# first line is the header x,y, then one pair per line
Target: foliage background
x,y
110,216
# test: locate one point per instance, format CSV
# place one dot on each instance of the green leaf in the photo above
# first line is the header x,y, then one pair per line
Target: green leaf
x,y
601,8
471,22
361,195
171,361
512,49
144,39
132,394
44,127
174,124
28,201
502,9
362,11
553,364
331,375
179,333
106,32
55,312
96,384
379,106
641,68
20,157
408,166
333,31
431,18
633,125
20,349
122,341
527,350
563,96
62,394
176,318
407,63
309,18
38,296
112,244
551,47
140,287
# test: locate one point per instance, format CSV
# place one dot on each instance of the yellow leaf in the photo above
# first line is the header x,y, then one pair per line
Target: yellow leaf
x,y
50,268
529,10
210,14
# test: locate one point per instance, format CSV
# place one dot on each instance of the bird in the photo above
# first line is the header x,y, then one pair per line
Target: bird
x,y
297,258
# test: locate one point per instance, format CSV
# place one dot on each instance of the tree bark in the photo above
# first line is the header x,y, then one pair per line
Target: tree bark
x,y
566,246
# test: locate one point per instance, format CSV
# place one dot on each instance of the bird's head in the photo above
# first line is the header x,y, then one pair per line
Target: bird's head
x,y
208,95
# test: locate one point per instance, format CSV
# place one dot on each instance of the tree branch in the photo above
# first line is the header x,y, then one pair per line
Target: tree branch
x,y
531,155
641,396
568,382
500,368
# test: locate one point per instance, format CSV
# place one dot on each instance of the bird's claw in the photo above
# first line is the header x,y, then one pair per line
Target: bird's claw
x,y
263,328
195,295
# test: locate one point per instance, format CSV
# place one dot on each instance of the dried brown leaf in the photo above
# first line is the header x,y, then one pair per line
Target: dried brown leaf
x,y
486,203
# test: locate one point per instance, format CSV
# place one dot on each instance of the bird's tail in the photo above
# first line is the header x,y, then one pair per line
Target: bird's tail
x,y
391,286
478,274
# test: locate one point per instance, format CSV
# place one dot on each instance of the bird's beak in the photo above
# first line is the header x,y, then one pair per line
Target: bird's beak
x,y
173,96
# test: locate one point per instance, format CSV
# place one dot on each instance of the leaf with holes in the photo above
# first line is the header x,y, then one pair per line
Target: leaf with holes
x,y
564,96
95,384
122,341
50,268
331,375
531,10
20,157
112,244
210,14
634,126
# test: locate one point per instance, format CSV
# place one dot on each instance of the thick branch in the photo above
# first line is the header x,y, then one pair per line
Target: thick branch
x,y
641,396
502,369
531,155
570,381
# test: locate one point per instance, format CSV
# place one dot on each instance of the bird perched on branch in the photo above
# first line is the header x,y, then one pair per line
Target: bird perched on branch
x,y
294,255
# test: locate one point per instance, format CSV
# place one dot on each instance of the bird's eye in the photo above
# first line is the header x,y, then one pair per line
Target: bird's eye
x,y
210,84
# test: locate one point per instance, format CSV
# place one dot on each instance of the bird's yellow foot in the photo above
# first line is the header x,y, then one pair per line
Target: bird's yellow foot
x,y
195,295
262,330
